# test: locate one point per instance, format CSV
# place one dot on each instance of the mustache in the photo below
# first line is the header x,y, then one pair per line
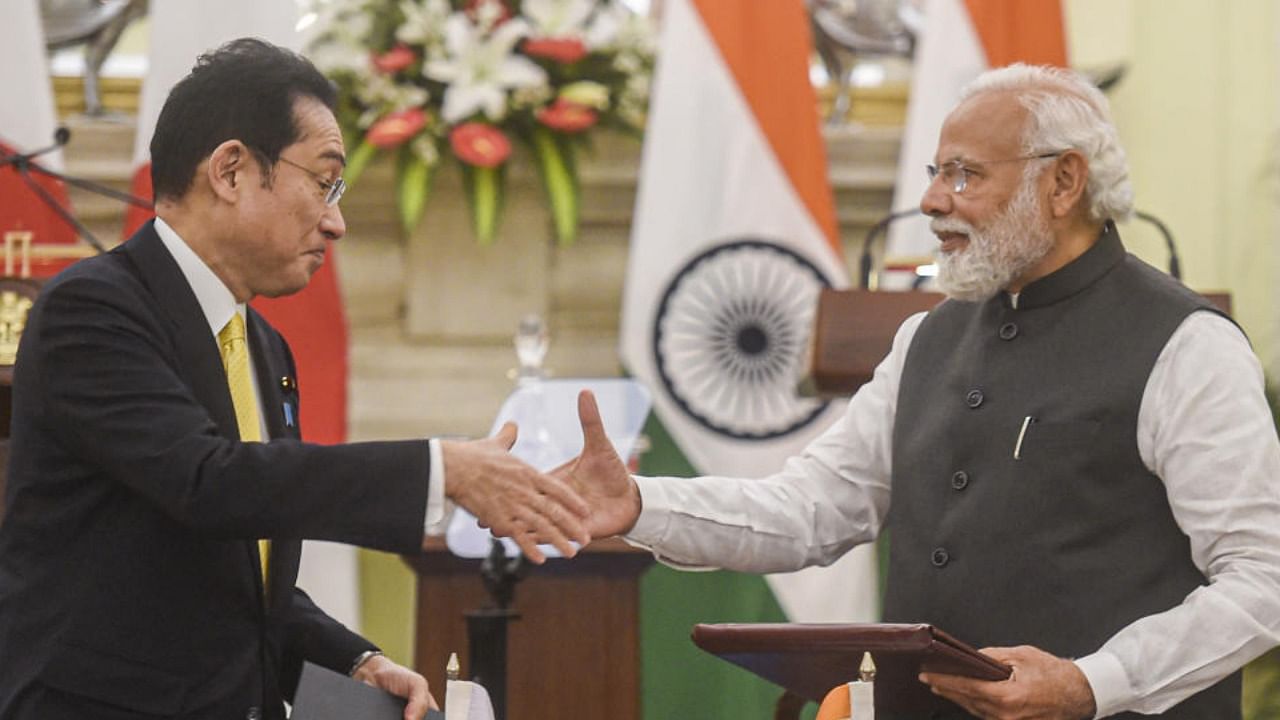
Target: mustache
x,y
950,225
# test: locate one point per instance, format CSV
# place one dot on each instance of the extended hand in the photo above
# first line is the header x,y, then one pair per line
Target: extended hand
x,y
1042,687
400,681
600,476
511,498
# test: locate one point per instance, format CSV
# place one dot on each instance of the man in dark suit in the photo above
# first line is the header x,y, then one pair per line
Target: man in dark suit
x,y
154,447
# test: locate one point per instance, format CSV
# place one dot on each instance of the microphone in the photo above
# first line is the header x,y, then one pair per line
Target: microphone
x,y
60,138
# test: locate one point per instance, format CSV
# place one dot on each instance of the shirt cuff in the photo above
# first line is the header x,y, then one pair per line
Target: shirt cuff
x,y
652,526
655,513
1108,681
439,508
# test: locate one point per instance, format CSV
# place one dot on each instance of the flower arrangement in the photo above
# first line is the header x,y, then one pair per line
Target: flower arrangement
x,y
429,80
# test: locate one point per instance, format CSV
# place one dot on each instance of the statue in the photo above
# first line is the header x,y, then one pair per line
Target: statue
x,y
97,24
843,30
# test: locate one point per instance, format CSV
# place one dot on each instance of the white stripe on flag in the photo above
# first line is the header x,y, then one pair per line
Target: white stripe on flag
x,y
466,700
27,117
709,178
949,56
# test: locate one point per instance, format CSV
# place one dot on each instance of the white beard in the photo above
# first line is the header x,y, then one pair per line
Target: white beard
x,y
1017,239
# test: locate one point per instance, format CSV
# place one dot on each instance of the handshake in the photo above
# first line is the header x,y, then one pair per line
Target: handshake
x,y
587,497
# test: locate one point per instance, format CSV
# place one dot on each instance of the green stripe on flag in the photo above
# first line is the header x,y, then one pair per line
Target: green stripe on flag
x,y
677,679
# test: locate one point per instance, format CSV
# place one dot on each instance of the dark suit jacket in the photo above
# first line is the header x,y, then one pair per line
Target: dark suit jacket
x,y
129,581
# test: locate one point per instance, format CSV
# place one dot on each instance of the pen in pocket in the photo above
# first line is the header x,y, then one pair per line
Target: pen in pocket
x,y
1022,434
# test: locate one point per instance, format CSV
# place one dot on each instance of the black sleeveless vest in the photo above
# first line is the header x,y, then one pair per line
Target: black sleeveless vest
x,y
1021,510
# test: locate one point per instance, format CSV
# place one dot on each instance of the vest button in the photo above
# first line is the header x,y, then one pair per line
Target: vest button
x,y
253,713
940,557
974,398
1008,331
960,480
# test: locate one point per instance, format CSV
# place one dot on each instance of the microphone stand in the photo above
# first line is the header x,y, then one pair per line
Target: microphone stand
x,y
487,627
1175,267
865,260
22,162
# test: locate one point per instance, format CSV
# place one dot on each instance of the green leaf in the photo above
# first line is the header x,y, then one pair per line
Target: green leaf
x,y
560,178
413,181
358,161
483,187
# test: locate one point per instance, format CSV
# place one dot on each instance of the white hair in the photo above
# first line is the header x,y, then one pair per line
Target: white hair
x,y
1067,111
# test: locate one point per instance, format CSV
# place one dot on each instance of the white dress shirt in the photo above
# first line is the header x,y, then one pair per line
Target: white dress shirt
x,y
218,304
1204,428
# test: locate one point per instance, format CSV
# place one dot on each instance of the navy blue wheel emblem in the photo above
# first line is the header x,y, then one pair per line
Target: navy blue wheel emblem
x,y
730,335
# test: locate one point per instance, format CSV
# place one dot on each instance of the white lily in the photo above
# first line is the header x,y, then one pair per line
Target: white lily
x,y
617,27
607,24
481,69
558,18
422,21
336,31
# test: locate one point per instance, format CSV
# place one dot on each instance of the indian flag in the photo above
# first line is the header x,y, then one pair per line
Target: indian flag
x,y
961,40
313,320
734,235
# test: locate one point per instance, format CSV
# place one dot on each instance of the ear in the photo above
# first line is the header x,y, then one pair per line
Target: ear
x,y
1070,178
227,169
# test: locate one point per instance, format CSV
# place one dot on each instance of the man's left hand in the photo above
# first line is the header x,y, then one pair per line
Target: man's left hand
x,y
380,672
1042,687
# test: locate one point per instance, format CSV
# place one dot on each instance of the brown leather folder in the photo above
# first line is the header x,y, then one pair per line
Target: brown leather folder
x,y
810,660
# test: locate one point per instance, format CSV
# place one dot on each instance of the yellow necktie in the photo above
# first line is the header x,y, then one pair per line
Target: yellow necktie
x,y
235,360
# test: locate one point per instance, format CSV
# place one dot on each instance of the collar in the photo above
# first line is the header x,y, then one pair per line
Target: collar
x,y
215,298
1075,276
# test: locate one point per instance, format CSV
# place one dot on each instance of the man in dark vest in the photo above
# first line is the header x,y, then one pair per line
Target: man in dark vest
x,y
1084,473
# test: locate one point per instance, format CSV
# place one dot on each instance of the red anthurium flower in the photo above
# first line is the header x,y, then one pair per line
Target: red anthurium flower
x,y
395,128
394,60
566,116
565,50
480,144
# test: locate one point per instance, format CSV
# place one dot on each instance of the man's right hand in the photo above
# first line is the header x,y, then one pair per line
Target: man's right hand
x,y
600,476
511,498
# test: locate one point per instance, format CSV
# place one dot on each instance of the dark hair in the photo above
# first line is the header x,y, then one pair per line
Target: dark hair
x,y
244,90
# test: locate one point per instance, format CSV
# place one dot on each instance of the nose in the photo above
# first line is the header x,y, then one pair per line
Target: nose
x,y
936,200
332,226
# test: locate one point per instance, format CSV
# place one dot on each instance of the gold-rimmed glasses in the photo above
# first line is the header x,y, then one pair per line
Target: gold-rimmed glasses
x,y
333,189
955,173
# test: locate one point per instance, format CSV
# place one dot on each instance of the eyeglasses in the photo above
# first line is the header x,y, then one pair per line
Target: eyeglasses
x,y
333,189
955,173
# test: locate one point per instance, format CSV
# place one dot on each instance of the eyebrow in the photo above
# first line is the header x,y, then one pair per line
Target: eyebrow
x,y
334,155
